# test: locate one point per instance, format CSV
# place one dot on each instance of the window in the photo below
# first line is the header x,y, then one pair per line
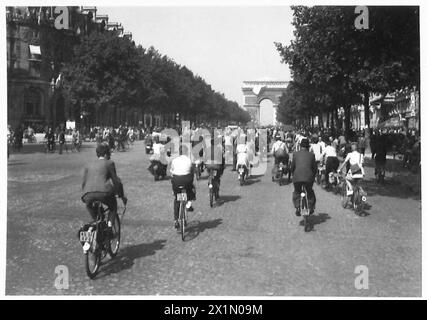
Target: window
x,y
33,103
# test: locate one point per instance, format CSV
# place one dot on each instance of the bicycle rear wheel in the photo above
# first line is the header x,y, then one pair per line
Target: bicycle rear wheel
x,y
357,201
93,260
343,196
211,196
182,216
306,222
242,179
114,242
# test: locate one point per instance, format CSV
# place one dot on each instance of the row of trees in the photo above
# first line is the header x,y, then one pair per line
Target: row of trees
x,y
335,65
109,72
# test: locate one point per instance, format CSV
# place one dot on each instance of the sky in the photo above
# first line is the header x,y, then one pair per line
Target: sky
x,y
223,45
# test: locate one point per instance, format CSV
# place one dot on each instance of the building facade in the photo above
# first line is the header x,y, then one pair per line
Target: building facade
x,y
397,109
34,61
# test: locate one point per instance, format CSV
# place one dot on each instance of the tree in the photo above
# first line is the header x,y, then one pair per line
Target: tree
x,y
104,75
344,63
108,72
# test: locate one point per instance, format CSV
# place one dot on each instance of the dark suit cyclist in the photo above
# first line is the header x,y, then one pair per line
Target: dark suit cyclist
x,y
101,183
304,171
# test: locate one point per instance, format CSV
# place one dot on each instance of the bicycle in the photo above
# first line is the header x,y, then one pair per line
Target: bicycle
x,y
49,146
335,181
305,211
181,197
213,184
97,239
198,169
282,170
243,173
352,194
320,174
380,174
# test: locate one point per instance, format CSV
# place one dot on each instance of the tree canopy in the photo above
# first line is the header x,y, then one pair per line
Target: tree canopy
x,y
340,65
108,71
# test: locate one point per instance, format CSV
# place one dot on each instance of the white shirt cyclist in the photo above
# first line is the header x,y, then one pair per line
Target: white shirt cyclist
x,y
181,166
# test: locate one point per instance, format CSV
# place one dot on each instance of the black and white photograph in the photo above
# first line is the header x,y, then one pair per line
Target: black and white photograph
x,y
216,150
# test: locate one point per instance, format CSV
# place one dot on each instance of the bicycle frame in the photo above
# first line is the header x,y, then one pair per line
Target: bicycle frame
x,y
305,208
181,197
304,202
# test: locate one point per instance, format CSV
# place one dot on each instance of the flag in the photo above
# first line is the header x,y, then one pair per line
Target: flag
x,y
58,80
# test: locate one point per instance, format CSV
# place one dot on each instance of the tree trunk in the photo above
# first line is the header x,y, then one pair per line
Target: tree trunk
x,y
327,119
335,116
366,105
347,119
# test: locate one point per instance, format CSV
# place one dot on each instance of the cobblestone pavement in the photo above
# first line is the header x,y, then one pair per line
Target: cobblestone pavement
x,y
251,243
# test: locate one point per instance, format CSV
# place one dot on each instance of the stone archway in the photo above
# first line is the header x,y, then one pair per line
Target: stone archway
x,y
267,112
261,98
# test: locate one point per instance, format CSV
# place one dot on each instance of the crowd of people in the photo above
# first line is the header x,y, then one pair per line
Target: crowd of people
x,y
301,149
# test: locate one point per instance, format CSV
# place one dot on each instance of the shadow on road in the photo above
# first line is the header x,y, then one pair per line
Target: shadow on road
x,y
196,227
256,176
225,199
316,219
251,181
127,256
388,189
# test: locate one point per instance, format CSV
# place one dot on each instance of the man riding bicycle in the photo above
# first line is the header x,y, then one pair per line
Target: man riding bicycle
x,y
101,183
281,154
182,172
356,171
304,170
215,159
331,160
381,155
316,148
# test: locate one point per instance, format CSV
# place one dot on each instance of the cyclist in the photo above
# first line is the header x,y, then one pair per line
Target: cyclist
x,y
50,139
101,183
215,159
304,170
182,172
356,171
380,155
331,160
316,148
281,154
158,157
242,153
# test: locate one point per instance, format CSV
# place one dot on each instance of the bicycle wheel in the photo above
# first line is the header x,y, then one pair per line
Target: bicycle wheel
x,y
343,196
211,196
182,220
216,193
93,260
114,241
306,214
242,179
357,201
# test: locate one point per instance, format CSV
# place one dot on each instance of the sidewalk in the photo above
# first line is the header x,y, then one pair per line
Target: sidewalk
x,y
398,175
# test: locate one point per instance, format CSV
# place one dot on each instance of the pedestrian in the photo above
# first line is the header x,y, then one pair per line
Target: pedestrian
x,y
361,144
62,141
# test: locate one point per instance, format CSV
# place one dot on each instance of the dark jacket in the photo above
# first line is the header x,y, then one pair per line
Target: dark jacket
x,y
97,175
303,166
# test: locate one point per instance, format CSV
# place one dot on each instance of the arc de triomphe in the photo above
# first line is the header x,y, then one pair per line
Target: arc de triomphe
x,y
261,98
